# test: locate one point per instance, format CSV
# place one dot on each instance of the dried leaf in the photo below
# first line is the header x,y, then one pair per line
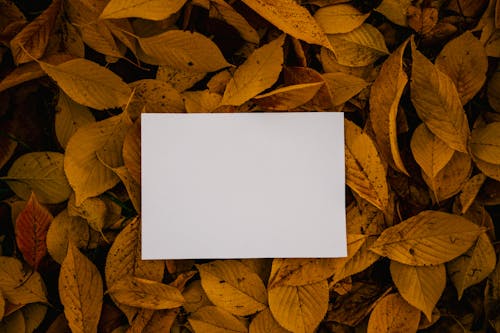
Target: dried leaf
x,y
493,91
257,73
421,286
393,314
464,60
132,186
343,86
289,97
212,319
395,10
19,286
422,20
154,96
65,229
322,101
201,101
339,18
179,79
81,291
41,173
385,95
87,175
291,18
227,13
233,286
299,309
32,41
264,322
299,271
189,51
99,213
473,266
32,225
195,297
146,294
489,169
485,143
437,103
70,116
470,191
360,47
132,151
146,9
365,172
429,238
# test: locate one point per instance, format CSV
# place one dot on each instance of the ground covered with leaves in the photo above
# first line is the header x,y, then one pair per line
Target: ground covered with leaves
x,y
420,87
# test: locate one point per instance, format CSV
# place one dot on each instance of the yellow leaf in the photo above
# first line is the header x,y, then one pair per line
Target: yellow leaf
x,y
289,97
65,229
41,173
385,95
201,101
430,152
421,286
99,213
212,319
257,73
146,9
470,191
13,323
343,86
70,116
493,91
485,143
464,60
322,101
489,169
189,51
133,188
360,47
195,297
363,218
299,309
429,238
450,180
365,172
32,41
393,314
179,79
260,266
154,96
146,294
299,271
19,286
91,144
81,291
132,151
340,18
395,10
437,103
358,257
233,286
72,40
89,84
221,9
124,259
473,266
264,322
291,18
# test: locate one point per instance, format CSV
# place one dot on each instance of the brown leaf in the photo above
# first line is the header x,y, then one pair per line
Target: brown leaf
x,y
343,86
393,314
151,10
132,151
32,225
299,271
485,143
340,18
264,322
289,97
20,286
212,319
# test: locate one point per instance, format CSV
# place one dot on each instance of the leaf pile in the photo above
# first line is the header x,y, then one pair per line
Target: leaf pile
x,y
418,81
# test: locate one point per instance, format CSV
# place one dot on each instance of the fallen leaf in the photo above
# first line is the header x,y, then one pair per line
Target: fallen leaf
x,y
428,238
257,73
81,291
470,191
13,323
299,271
464,60
385,95
227,13
31,42
493,91
291,18
154,96
485,143
20,286
322,101
89,84
132,186
393,314
264,322
422,20
343,86
179,78
189,51
365,172
98,213
473,266
103,140
299,309
360,47
132,151
146,294
340,18
33,315
41,173
233,286
201,101
395,10
289,97
437,103
146,9
32,225
212,319
421,286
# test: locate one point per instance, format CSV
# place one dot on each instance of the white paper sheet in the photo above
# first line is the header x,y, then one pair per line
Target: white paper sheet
x,y
243,185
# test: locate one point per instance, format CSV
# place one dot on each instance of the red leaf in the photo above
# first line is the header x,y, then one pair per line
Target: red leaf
x,y
32,225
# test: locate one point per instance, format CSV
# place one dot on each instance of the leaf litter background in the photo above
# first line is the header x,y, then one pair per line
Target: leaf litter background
x,y
420,87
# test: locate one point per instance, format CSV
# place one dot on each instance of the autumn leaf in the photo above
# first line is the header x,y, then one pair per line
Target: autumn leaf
x,y
264,322
393,314
299,271
222,9
429,238
146,9
343,86
211,319
20,286
81,290
257,73
340,18
289,97
395,10
32,225
421,286
485,143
